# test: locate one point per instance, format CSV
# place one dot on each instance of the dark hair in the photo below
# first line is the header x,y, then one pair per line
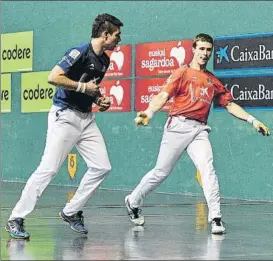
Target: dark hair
x,y
105,22
202,38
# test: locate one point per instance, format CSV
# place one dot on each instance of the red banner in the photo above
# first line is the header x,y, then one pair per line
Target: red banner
x,y
119,92
162,58
120,62
145,89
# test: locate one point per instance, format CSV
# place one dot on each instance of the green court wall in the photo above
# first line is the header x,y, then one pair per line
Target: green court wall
x,y
242,158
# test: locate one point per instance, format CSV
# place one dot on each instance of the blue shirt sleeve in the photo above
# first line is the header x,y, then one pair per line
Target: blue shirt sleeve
x,y
70,58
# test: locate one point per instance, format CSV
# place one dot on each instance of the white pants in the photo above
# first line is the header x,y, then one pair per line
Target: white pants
x,y
66,129
182,134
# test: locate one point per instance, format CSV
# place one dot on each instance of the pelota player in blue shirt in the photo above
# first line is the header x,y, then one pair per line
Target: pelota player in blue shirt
x,y
71,123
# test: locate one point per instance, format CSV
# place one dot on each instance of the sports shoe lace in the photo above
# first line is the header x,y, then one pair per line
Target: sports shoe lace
x,y
218,222
78,218
136,212
18,225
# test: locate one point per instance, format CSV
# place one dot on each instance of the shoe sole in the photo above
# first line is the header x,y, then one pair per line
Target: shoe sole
x,y
80,232
125,200
218,232
15,237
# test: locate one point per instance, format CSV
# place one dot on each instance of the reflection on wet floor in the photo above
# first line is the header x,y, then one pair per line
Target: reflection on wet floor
x,y
176,228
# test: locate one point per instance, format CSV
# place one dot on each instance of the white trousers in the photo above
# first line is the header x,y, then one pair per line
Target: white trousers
x,y
66,129
181,134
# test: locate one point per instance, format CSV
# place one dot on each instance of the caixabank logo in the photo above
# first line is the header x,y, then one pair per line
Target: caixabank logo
x,y
243,52
254,91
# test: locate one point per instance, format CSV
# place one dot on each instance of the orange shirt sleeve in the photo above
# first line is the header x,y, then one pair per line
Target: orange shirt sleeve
x,y
222,93
172,83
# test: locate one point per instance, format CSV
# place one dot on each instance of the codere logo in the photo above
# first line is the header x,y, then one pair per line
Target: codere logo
x,y
5,93
36,93
16,53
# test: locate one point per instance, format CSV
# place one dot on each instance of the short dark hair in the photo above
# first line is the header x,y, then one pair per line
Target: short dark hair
x,y
105,22
202,38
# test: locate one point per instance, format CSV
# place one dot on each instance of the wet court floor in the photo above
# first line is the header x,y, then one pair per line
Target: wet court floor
x,y
176,228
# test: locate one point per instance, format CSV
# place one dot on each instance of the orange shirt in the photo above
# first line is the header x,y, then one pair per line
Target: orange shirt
x,y
193,92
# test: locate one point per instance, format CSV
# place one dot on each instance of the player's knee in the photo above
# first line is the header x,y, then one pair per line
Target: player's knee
x,y
159,174
207,170
42,174
107,168
103,170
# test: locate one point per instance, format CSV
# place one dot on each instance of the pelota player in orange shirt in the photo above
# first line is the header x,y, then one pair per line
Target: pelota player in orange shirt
x,y
193,89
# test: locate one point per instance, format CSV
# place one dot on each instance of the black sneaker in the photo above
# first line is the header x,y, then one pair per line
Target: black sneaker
x,y
75,221
217,226
134,214
16,228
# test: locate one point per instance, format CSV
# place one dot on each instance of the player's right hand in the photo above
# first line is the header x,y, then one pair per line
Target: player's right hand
x,y
92,88
142,119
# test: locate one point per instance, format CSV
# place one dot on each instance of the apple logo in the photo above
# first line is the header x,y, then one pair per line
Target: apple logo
x,y
118,57
117,92
179,53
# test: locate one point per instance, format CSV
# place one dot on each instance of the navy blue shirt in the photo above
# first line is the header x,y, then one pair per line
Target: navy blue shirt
x,y
76,62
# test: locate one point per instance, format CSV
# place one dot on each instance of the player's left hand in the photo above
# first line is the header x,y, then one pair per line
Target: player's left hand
x,y
104,103
260,127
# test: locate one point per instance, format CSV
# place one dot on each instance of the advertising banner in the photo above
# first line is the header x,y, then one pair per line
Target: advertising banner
x,y
255,92
17,52
162,58
145,89
36,92
251,54
120,62
5,93
119,92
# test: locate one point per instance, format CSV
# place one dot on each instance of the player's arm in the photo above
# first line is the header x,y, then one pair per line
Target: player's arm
x,y
226,100
58,75
159,100
103,102
237,111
